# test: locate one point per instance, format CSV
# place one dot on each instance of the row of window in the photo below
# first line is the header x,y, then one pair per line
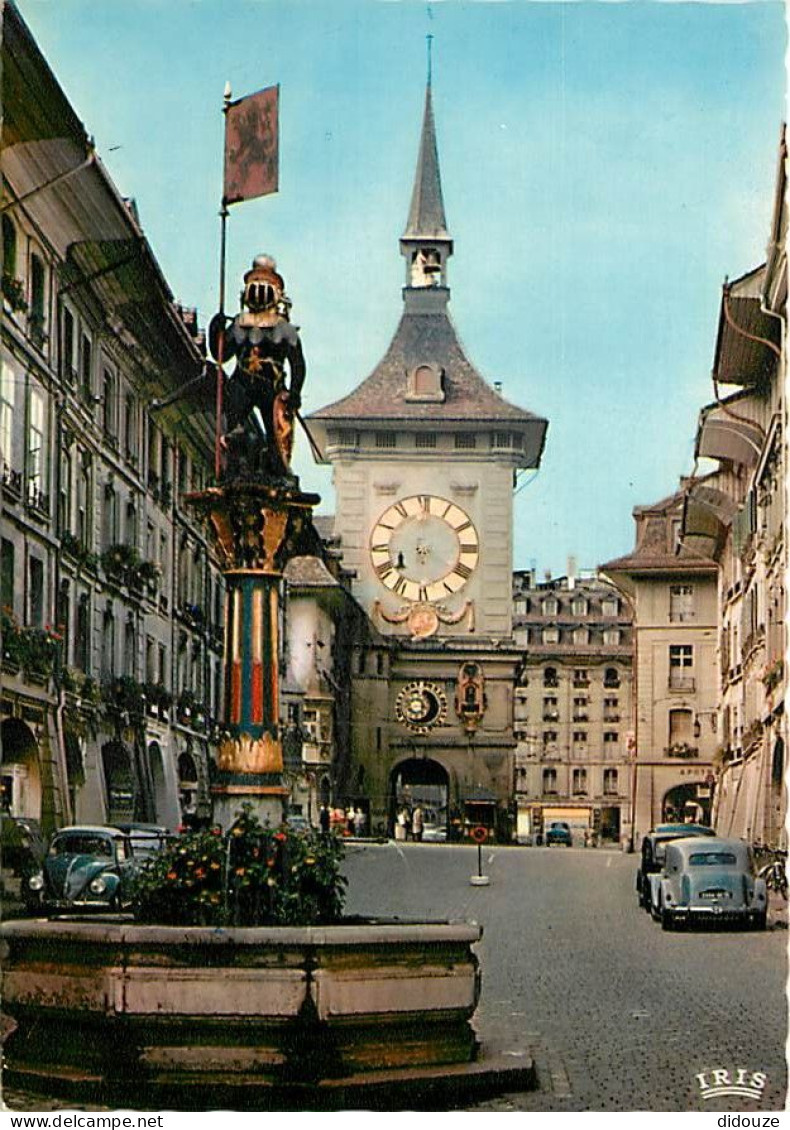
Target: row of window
x,y
30,294
580,782
199,592
582,676
577,606
681,605
581,708
118,647
551,737
37,446
578,636
461,441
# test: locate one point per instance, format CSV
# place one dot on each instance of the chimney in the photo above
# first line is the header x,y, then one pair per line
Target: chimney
x,y
571,571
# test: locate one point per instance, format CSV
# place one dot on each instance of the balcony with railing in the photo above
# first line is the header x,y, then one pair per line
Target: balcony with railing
x,y
680,681
684,751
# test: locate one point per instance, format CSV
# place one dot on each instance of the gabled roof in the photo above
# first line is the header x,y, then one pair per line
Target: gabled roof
x,y
309,572
654,552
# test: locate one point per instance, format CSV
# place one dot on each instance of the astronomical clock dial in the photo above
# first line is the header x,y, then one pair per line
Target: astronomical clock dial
x,y
421,705
424,548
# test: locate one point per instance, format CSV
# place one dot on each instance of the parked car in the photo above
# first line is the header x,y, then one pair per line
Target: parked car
x,y
147,840
559,833
86,869
652,857
711,880
434,834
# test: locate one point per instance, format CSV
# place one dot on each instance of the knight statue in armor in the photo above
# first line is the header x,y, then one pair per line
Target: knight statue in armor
x,y
263,342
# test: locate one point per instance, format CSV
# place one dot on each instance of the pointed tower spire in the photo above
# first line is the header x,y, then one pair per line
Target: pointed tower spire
x,y
426,214
426,243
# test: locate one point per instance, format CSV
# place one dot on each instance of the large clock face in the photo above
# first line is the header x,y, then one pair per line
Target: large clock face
x,y
424,548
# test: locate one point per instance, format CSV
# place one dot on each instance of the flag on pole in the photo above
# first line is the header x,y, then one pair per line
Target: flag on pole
x,y
252,146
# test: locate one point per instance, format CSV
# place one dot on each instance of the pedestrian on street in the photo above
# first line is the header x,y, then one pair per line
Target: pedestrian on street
x,y
324,818
416,824
359,822
400,825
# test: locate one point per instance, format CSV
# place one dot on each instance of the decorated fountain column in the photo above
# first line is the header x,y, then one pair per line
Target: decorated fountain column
x,y
260,519
257,530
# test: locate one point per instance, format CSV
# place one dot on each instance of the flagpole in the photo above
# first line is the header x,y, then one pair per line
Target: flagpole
x,y
221,342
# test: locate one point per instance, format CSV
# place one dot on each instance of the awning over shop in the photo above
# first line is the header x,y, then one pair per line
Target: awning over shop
x,y
724,435
50,168
747,336
707,514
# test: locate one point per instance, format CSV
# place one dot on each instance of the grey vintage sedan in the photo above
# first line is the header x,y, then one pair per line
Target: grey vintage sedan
x,y
711,880
86,869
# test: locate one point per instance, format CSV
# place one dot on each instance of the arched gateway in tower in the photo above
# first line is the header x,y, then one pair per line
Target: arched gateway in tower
x,y
424,454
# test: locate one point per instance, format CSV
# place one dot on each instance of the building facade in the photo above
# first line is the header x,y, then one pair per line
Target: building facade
x,y
738,514
424,454
112,605
674,606
708,583
572,710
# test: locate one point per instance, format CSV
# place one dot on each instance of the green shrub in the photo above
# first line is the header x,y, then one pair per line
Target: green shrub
x,y
250,876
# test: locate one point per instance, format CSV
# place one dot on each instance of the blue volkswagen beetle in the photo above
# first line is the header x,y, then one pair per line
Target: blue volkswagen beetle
x,y
86,869
711,880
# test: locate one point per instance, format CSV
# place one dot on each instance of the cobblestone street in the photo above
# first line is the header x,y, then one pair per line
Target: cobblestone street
x,y
617,1014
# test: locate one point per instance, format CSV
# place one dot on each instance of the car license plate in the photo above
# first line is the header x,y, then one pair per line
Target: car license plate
x,y
715,894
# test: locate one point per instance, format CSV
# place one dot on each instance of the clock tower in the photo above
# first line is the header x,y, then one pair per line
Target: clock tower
x,y
424,455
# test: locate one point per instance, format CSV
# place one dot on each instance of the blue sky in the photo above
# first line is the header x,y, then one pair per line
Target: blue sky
x,y
604,166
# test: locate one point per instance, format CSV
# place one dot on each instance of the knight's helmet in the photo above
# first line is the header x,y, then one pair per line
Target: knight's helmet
x,y
264,289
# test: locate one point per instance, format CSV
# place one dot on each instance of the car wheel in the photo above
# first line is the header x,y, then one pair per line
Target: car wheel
x,y
761,920
667,920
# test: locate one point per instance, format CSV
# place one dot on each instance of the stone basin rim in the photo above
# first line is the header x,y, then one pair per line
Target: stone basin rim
x,y
373,933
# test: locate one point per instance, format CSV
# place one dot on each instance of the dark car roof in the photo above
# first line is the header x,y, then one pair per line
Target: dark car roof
x,y
143,835
665,833
91,830
684,829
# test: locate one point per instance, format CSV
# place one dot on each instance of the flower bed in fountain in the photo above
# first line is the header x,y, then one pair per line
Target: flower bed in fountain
x,y
240,977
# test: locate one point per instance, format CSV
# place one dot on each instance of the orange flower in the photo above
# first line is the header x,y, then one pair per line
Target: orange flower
x,y
172,875
240,870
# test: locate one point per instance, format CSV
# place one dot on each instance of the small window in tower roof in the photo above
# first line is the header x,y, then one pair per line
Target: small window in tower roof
x,y
426,383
